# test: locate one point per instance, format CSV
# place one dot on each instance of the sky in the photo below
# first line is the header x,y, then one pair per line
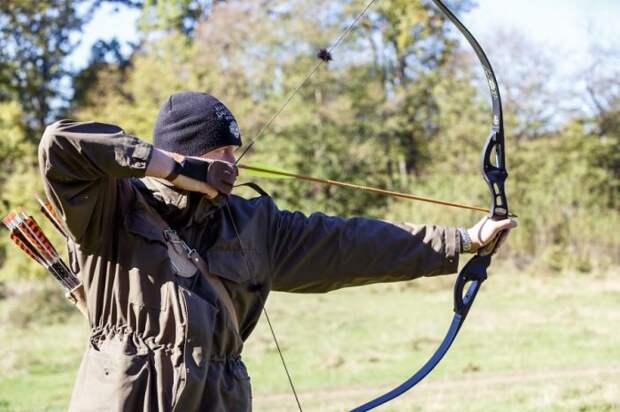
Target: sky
x,y
106,24
563,27
557,23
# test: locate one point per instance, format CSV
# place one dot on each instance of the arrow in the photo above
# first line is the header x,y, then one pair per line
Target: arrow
x,y
261,171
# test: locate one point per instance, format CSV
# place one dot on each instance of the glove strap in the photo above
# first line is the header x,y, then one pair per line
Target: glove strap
x,y
175,172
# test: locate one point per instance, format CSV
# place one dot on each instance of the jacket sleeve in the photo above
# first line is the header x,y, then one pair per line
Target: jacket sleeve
x,y
81,164
319,253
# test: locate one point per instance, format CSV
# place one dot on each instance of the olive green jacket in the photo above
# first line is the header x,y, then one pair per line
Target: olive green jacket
x,y
160,342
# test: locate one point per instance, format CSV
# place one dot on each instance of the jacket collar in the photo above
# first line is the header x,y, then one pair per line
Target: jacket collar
x,y
178,207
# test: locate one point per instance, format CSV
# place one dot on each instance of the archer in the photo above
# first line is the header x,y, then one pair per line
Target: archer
x,y
176,269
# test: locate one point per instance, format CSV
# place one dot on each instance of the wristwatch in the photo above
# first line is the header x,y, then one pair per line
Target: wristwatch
x,y
465,240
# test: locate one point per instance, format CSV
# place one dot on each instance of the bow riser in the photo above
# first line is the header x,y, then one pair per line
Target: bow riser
x,y
495,174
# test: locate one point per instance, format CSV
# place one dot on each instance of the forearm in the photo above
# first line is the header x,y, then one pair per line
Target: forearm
x,y
161,163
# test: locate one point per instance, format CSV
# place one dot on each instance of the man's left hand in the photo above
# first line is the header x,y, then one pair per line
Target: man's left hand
x,y
486,231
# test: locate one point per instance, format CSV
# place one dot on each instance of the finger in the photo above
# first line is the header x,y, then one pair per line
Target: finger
x,y
226,187
208,190
502,239
505,224
230,178
480,225
489,248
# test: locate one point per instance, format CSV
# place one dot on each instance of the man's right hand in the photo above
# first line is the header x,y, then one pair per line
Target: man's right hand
x,y
218,174
162,164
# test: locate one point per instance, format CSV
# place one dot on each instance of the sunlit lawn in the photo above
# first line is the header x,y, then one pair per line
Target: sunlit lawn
x,y
530,343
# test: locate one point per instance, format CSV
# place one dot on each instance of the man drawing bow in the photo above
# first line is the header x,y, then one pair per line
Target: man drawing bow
x,y
176,269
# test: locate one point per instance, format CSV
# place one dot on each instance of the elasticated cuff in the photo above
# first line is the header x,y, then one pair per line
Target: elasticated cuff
x,y
138,159
452,248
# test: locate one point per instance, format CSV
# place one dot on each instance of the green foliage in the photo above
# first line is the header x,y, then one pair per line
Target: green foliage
x,y
19,183
14,263
178,15
563,186
14,148
409,120
16,158
567,199
36,36
132,98
30,304
397,108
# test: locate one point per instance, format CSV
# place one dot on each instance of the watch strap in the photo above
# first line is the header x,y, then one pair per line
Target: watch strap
x,y
465,240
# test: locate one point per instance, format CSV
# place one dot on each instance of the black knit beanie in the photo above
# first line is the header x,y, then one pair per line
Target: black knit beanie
x,y
192,123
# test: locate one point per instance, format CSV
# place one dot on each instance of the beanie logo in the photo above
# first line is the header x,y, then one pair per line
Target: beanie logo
x,y
234,129
223,113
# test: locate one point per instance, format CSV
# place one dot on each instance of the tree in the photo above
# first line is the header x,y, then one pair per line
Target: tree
x,y
182,16
36,38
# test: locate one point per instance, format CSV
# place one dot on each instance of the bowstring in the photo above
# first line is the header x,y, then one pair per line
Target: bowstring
x,y
330,49
262,302
262,130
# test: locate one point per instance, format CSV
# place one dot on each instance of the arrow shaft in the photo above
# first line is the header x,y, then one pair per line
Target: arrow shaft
x,y
363,188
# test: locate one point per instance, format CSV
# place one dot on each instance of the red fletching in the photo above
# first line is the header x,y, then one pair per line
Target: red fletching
x,y
53,216
15,237
38,232
20,240
23,229
29,237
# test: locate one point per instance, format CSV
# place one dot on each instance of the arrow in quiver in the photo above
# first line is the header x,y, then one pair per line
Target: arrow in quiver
x,y
28,236
52,215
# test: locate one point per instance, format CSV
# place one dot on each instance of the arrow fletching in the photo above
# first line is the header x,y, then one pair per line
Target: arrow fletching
x,y
264,171
28,236
53,216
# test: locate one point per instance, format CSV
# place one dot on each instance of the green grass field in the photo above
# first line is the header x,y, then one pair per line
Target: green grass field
x,y
531,343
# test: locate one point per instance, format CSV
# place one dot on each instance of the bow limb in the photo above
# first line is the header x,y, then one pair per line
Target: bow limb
x,y
325,53
474,273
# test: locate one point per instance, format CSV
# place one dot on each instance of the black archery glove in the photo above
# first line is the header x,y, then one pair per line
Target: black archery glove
x,y
216,173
